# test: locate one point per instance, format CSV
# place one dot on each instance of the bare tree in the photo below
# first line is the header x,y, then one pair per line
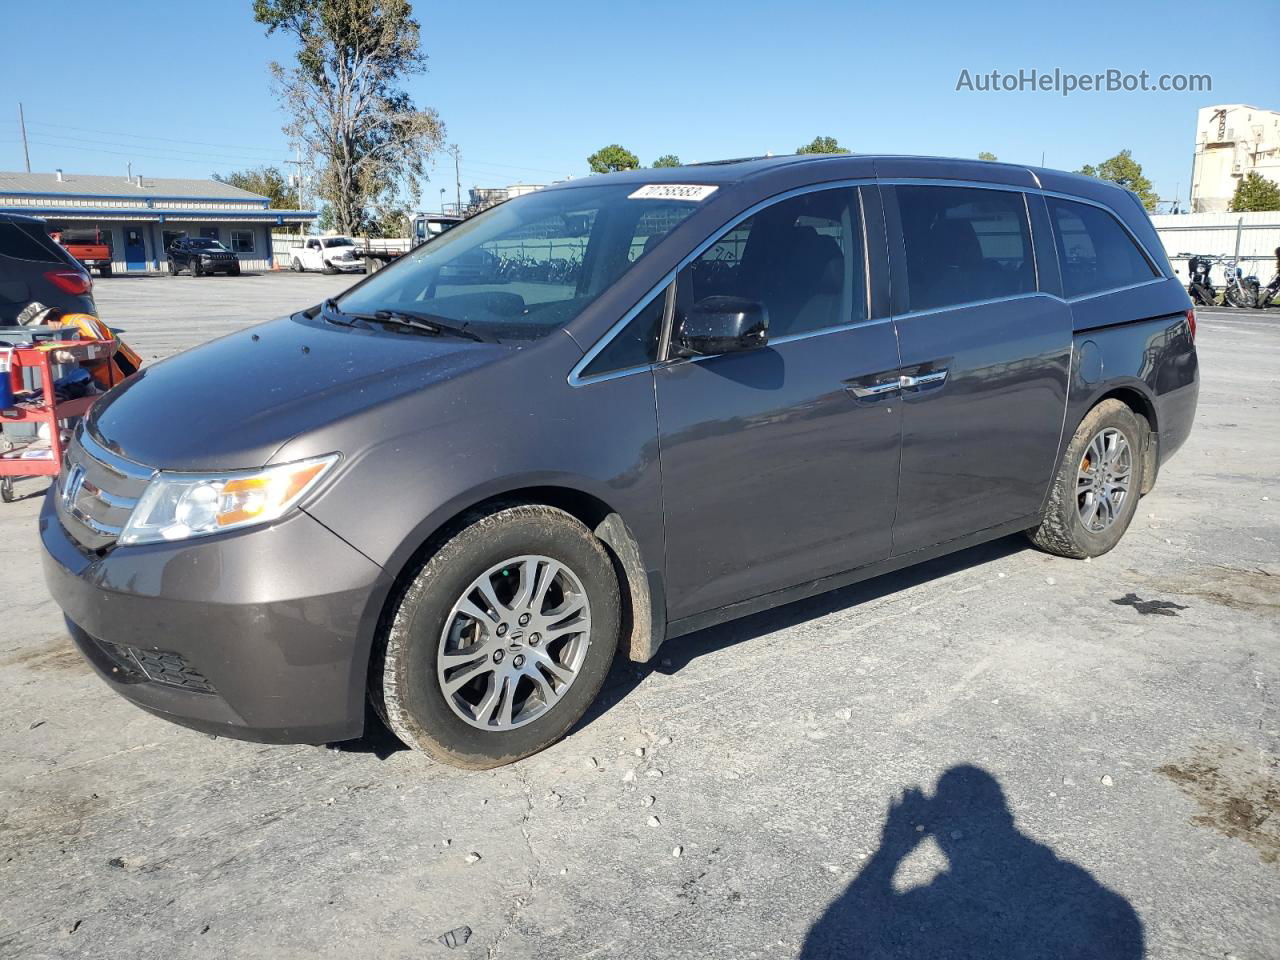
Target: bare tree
x,y
345,102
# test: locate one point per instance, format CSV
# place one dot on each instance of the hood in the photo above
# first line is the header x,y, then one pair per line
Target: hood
x,y
233,402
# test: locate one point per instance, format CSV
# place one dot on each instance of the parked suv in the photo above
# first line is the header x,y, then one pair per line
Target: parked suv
x,y
706,391
35,269
199,255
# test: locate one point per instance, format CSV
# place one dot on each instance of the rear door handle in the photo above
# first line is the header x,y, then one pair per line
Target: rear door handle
x,y
932,378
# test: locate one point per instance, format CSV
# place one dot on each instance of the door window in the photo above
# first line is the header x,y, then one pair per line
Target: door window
x,y
1095,252
964,245
171,237
801,257
209,233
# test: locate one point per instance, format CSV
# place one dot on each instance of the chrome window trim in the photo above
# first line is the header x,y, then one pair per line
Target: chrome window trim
x,y
983,185
576,378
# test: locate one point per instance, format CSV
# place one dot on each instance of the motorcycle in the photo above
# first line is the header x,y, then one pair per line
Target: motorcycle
x,y
1201,286
1239,290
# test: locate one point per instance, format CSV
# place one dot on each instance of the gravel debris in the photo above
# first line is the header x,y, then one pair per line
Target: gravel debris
x,y
455,937
472,857
1106,780
655,822
677,851
648,801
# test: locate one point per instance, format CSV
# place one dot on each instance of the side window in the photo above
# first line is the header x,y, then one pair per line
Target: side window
x,y
28,245
636,345
242,241
964,245
802,258
1095,252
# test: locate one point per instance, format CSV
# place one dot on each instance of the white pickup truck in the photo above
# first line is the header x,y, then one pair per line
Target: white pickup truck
x,y
326,254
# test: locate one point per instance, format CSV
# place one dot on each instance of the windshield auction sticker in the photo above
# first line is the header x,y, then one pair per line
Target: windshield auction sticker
x,y
673,191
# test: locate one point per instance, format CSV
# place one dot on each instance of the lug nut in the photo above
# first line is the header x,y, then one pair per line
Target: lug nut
x,y
497,656
535,639
518,661
502,630
524,619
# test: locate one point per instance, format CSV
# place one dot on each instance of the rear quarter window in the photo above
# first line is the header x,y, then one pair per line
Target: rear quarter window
x,y
29,242
1095,252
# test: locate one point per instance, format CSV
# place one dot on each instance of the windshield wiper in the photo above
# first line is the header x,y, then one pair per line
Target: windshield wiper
x,y
425,322
332,313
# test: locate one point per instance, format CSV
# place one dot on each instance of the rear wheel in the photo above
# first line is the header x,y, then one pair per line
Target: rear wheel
x,y
501,640
1096,490
296,265
104,271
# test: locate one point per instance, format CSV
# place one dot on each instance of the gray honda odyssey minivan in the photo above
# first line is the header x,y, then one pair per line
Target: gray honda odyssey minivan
x,y
606,414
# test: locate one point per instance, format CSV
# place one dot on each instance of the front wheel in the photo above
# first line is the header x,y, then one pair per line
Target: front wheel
x,y
195,268
329,268
501,639
1095,492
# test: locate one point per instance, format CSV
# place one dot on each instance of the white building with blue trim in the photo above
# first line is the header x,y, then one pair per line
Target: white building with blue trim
x,y
140,216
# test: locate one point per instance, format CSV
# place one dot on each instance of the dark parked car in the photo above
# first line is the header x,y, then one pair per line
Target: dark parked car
x,y
760,380
199,256
35,269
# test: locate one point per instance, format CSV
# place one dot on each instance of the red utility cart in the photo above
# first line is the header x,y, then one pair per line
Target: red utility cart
x,y
42,456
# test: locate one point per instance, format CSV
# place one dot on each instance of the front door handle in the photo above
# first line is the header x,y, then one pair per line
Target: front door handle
x,y
876,389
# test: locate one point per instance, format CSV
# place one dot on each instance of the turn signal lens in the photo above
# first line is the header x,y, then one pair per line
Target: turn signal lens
x,y
178,506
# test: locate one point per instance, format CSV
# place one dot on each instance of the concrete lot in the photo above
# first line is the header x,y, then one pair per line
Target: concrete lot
x,y
1123,711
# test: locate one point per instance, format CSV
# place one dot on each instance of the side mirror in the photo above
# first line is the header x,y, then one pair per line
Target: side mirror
x,y
722,325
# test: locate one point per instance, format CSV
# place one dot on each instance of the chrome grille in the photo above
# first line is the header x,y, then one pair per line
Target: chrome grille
x,y
97,491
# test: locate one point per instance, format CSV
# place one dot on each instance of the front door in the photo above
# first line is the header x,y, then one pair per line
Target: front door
x,y
780,464
135,250
985,360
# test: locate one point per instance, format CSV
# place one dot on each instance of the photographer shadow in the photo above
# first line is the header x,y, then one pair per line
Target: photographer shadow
x,y
1003,894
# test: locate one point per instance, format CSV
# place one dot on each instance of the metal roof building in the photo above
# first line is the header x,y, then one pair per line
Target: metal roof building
x,y
140,216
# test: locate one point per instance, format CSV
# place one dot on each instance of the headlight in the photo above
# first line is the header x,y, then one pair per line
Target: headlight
x,y
176,506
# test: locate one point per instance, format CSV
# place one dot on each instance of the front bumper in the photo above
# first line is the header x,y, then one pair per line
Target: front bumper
x,y
219,266
263,635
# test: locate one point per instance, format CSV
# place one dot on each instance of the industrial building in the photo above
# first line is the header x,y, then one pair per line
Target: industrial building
x,y
139,216
1232,141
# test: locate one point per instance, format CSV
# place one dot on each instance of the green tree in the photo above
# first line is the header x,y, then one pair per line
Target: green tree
x,y
667,160
822,145
344,99
1255,192
613,158
987,155
265,181
1122,169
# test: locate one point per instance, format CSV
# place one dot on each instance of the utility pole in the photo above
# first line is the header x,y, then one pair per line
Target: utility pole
x,y
22,122
457,174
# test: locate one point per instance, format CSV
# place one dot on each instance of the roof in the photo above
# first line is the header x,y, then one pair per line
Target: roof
x,y
93,185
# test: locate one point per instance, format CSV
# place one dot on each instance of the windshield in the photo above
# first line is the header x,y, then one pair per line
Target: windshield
x,y
338,242
205,245
527,266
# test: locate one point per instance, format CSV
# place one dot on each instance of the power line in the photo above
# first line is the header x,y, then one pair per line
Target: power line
x,y
135,136
213,161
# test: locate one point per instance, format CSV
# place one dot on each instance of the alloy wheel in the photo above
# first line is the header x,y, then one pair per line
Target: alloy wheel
x,y
1103,479
514,642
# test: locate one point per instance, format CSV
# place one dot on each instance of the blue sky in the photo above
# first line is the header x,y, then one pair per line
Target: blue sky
x,y
528,90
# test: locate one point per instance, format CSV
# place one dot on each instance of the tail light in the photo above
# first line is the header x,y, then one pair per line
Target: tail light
x,y
70,281
1191,323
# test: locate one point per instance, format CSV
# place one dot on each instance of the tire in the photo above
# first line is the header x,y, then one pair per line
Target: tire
x,y
406,683
194,266
296,266
1063,529
173,269
234,271
104,271
329,268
